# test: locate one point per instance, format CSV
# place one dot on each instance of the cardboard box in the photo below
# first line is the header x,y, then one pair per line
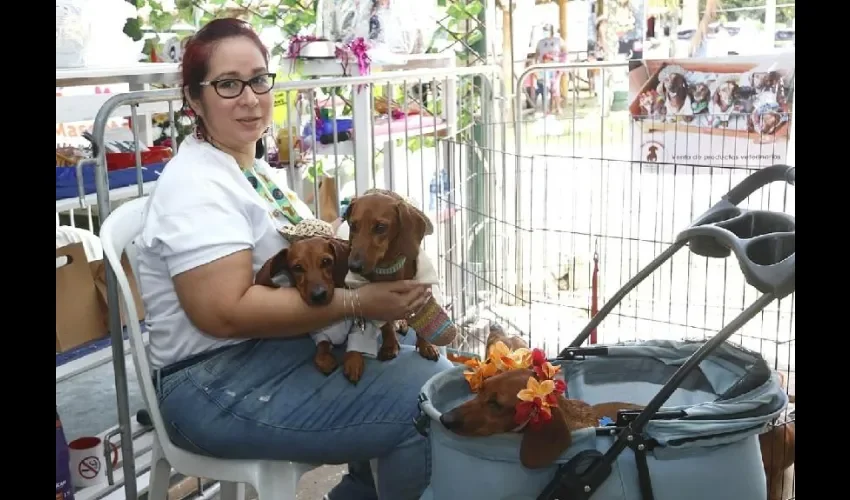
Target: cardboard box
x,y
81,304
79,314
98,270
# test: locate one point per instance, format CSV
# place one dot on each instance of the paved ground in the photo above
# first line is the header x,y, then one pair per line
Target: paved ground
x,y
319,481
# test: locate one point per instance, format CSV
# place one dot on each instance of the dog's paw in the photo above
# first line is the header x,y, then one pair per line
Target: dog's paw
x,y
428,351
388,352
325,362
352,366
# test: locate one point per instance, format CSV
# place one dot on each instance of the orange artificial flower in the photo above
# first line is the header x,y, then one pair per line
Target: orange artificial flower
x,y
505,359
478,373
535,389
546,370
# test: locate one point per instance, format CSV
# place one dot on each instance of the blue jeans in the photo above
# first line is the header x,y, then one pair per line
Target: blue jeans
x,y
264,399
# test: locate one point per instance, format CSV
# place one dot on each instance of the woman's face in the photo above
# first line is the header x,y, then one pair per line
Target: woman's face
x,y
238,122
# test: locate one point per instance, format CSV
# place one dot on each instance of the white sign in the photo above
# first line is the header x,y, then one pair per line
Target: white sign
x,y
70,133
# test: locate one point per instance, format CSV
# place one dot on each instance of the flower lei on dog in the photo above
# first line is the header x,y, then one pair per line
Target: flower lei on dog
x,y
540,394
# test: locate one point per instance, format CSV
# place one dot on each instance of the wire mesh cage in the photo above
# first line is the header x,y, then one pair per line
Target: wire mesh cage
x,y
552,215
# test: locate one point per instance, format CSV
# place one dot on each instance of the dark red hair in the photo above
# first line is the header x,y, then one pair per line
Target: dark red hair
x,y
199,48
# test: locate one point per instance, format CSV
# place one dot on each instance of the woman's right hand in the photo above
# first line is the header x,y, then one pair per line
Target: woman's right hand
x,y
393,300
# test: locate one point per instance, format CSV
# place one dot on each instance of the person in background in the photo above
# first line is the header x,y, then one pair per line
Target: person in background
x,y
550,83
530,85
233,362
597,51
550,49
625,28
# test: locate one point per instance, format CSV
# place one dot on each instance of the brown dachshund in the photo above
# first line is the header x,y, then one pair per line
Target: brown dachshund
x,y
318,266
492,412
766,123
778,453
675,92
725,96
328,199
497,334
385,233
651,103
770,81
778,450
493,408
700,95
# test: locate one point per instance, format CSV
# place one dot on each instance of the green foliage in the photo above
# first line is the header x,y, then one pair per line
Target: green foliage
x,y
133,27
461,28
784,15
315,171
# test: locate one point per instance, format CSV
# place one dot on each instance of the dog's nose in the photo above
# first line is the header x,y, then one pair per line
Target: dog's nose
x,y
355,264
449,420
319,294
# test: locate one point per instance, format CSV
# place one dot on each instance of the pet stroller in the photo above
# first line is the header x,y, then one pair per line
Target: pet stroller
x,y
706,402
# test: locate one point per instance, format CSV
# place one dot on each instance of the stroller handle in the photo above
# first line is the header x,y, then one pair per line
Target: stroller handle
x,y
764,242
758,180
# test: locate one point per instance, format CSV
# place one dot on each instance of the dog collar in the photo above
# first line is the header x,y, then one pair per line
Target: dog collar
x,y
394,268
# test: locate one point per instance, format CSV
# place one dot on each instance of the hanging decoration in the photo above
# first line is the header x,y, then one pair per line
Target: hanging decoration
x,y
594,290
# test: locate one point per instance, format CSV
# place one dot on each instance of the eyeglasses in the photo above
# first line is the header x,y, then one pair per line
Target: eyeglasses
x,y
231,88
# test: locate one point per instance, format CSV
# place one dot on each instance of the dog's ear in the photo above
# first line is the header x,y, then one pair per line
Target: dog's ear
x,y
347,212
272,268
540,448
412,220
340,249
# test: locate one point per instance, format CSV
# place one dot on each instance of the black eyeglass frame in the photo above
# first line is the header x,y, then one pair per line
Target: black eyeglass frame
x,y
245,83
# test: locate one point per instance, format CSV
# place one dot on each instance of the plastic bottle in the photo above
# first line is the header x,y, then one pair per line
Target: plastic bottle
x,y
64,488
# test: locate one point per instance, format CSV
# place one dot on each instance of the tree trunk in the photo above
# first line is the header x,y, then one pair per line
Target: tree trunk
x,y
562,25
702,29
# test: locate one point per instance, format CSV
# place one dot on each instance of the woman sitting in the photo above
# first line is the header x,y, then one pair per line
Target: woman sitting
x,y
233,361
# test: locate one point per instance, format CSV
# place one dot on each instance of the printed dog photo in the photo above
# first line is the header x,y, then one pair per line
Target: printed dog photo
x,y
754,101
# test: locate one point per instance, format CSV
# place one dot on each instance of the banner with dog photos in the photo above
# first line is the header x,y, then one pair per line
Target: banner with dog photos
x,y
729,112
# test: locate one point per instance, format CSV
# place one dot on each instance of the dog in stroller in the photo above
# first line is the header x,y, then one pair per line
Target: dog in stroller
x,y
644,419
492,411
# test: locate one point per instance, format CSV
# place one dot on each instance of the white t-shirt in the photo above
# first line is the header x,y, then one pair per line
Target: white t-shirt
x,y
202,209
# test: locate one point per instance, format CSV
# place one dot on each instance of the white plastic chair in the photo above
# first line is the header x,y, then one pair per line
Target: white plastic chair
x,y
272,480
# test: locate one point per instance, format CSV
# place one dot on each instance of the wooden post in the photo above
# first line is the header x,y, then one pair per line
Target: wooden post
x,y
508,54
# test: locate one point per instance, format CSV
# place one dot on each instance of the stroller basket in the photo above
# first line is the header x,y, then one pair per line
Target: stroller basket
x,y
706,402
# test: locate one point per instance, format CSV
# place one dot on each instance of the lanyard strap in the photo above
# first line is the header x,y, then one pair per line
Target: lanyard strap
x,y
268,190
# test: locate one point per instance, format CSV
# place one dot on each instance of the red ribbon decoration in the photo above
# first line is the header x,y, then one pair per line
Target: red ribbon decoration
x,y
594,292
